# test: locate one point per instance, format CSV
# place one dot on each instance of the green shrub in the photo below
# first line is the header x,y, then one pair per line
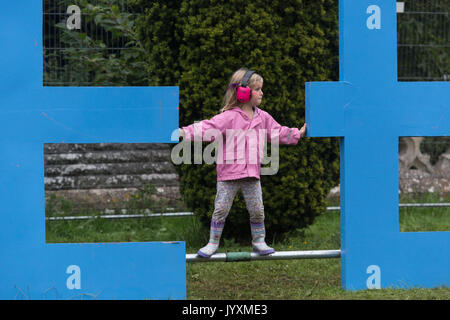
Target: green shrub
x,y
197,44
434,147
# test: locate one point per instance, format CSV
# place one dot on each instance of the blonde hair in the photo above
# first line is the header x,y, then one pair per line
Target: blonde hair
x,y
229,100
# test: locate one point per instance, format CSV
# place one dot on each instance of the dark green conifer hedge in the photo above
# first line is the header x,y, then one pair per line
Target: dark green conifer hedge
x,y
198,44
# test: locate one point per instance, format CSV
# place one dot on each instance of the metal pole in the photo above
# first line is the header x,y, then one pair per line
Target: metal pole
x,y
280,255
123,216
181,214
424,204
403,205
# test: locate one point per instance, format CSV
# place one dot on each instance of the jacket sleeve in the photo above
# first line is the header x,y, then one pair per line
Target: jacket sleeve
x,y
206,130
285,135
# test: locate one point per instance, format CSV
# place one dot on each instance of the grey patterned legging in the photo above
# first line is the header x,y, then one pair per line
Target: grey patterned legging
x,y
226,191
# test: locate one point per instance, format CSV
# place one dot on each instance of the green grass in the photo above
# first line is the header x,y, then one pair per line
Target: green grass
x,y
98,229
291,279
287,280
424,218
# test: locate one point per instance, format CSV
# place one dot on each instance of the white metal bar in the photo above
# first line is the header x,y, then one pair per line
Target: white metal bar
x,y
280,255
180,214
123,216
424,204
443,204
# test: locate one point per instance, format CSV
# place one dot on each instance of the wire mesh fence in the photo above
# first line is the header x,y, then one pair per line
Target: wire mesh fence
x,y
423,35
423,41
76,46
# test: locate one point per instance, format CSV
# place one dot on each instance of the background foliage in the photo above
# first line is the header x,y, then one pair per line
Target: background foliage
x,y
197,45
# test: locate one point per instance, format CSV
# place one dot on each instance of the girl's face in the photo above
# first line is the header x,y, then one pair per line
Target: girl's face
x,y
257,94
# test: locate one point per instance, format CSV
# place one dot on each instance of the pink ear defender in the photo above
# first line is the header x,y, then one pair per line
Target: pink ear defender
x,y
243,92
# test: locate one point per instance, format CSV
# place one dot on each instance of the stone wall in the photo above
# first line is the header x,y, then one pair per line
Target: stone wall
x,y
107,175
417,174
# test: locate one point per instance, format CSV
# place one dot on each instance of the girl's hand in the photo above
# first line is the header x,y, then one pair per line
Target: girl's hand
x,y
303,131
181,133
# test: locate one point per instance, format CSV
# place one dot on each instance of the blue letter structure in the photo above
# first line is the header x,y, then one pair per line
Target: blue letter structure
x,y
369,110
32,115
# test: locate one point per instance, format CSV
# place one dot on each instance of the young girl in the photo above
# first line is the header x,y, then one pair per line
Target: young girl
x,y
241,119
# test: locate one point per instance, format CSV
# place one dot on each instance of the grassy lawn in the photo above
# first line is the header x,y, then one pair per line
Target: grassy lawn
x,y
292,279
286,280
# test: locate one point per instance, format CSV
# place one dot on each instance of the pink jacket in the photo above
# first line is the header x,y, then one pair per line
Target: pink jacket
x,y
241,140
